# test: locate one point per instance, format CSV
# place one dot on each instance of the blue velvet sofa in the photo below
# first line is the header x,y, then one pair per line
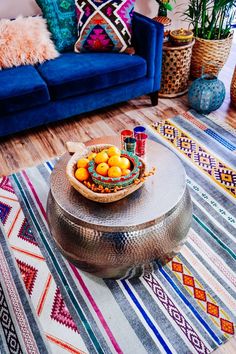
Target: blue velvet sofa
x,y
78,83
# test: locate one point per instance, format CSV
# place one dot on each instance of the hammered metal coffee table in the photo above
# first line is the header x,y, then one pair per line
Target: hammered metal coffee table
x,y
127,237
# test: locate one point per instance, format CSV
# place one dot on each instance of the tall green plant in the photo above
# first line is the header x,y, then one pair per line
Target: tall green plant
x,y
211,19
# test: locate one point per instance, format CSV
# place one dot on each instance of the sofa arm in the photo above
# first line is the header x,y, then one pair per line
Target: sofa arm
x,y
148,42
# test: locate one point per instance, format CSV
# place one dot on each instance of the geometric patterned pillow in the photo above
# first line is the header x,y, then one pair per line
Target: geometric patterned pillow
x,y
104,25
61,21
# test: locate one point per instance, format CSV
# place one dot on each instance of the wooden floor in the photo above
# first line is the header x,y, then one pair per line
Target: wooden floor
x,y
32,147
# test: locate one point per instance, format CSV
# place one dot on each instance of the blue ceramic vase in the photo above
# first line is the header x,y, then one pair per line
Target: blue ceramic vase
x,y
206,94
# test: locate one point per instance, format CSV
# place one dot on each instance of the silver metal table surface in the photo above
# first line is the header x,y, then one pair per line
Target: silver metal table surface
x,y
122,238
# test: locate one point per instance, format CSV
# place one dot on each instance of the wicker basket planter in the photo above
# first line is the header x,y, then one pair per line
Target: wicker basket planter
x,y
210,54
233,88
175,69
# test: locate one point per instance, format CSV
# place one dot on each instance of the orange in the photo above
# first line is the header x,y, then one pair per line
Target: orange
x,y
125,172
114,160
101,157
82,174
113,151
105,150
102,169
83,163
124,163
114,172
92,156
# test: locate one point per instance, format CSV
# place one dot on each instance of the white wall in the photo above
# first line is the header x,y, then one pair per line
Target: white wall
x,y
13,8
150,9
147,7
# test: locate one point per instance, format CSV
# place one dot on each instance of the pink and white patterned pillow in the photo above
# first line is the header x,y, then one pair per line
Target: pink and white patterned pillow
x,y
104,25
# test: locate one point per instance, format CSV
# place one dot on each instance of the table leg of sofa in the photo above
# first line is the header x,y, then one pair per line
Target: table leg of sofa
x,y
154,98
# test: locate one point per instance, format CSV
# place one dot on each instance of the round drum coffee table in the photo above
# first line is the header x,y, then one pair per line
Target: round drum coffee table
x,y
127,237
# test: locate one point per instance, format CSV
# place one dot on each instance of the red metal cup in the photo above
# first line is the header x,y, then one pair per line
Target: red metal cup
x,y
141,139
125,134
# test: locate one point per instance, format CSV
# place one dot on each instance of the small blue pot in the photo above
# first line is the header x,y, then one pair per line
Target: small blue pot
x,y
206,94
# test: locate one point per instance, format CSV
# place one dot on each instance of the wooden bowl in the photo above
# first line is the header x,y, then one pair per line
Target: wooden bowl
x,y
89,194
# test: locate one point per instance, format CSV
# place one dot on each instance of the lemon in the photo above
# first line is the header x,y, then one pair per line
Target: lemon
x,y
101,157
83,163
124,163
81,174
114,151
102,169
125,172
114,172
92,156
114,160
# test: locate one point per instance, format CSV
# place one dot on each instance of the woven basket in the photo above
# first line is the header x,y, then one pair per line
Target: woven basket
x,y
89,194
175,69
210,55
233,88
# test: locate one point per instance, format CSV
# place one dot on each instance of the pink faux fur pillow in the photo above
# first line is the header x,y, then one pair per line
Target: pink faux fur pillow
x,y
25,41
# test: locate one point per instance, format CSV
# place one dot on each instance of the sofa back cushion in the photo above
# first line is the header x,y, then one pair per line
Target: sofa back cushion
x,y
104,25
62,22
25,41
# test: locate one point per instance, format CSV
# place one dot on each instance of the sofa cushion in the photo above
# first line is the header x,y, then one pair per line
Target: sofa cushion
x,y
74,74
21,88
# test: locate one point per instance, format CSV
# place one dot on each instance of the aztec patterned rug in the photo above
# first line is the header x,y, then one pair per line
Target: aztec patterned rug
x,y
187,306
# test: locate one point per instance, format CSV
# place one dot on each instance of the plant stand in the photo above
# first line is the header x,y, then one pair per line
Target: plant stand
x,y
176,63
233,88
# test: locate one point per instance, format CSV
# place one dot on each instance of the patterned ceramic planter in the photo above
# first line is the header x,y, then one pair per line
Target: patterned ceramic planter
x,y
123,181
206,94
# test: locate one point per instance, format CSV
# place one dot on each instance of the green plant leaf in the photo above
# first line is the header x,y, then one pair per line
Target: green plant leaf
x,y
168,6
211,19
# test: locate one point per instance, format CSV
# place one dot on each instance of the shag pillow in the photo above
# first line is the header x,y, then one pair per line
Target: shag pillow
x,y
104,25
25,41
62,22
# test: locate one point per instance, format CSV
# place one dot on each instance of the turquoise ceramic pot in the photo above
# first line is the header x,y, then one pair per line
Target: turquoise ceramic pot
x,y
206,94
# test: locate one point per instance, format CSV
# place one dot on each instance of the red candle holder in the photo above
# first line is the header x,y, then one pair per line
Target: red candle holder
x,y
141,139
125,134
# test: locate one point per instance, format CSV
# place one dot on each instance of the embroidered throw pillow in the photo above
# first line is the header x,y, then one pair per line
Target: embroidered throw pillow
x,y
104,25
62,22
25,41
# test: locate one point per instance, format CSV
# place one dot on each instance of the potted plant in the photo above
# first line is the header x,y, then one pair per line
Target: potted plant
x,y
211,22
164,6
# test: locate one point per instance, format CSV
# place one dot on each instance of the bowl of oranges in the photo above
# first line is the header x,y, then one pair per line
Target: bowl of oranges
x,y
104,173
120,168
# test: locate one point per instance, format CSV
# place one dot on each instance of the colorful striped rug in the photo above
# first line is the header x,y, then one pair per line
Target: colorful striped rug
x,y
187,306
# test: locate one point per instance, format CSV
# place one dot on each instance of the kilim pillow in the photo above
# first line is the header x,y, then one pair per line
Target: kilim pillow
x,y
104,25
62,22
